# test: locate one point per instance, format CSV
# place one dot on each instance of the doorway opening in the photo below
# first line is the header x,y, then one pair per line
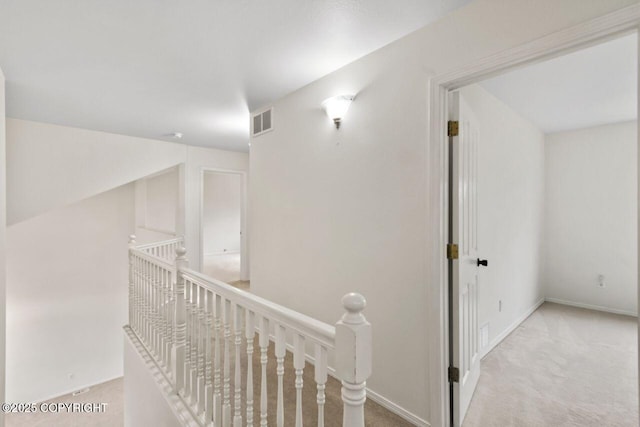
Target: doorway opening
x,y
542,255
221,228
589,33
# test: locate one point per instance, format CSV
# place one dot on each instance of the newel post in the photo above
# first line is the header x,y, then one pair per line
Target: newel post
x,y
353,358
132,244
180,327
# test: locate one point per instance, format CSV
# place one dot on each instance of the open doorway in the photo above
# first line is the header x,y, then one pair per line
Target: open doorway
x,y
543,233
221,228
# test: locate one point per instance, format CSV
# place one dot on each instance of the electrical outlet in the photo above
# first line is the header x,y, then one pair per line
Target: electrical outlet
x,y
500,306
601,283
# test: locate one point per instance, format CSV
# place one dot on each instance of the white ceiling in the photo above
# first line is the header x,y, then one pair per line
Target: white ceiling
x,y
590,87
152,67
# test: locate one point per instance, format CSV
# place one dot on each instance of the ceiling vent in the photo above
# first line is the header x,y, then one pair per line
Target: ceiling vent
x,y
262,122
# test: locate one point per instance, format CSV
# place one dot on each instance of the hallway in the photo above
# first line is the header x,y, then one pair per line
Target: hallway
x,y
563,366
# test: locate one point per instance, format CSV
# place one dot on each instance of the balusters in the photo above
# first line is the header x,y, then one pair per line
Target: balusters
x,y
194,343
226,403
321,380
217,385
187,324
132,244
237,387
170,319
249,330
281,350
188,331
208,412
264,344
201,337
180,319
164,315
298,364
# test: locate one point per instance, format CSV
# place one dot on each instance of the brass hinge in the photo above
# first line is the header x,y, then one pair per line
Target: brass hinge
x,y
452,251
454,374
452,128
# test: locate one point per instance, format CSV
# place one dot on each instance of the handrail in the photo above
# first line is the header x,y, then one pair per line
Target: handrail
x,y
191,323
318,331
161,262
156,244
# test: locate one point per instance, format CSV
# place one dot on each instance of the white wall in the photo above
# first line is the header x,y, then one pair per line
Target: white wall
x,y
591,217
51,166
510,212
222,200
162,201
158,206
67,296
334,211
199,159
3,222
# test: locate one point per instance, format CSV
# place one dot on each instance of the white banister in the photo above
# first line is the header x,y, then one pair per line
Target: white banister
x,y
249,334
237,385
281,350
321,380
180,326
298,364
353,358
194,328
264,345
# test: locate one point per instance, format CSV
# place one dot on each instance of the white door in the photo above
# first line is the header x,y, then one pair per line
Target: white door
x,y
464,273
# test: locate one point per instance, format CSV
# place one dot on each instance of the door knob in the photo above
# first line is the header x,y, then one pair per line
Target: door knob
x,y
483,262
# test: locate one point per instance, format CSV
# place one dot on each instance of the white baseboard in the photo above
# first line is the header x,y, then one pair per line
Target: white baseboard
x,y
398,410
592,307
497,340
222,253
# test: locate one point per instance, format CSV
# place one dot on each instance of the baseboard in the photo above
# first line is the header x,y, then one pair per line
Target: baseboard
x,y
497,340
592,307
222,253
77,388
398,410
375,397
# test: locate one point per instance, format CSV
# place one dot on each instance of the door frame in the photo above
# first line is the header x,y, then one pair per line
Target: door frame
x,y
244,266
598,30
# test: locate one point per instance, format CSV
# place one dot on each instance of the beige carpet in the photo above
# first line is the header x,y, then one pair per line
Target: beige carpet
x,y
563,366
110,393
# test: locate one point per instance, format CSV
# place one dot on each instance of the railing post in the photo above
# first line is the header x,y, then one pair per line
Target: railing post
x,y
132,244
353,358
180,323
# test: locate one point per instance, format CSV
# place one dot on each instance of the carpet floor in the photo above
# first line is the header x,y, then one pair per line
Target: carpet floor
x,y
563,366
111,393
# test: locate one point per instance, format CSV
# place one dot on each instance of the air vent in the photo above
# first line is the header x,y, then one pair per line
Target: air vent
x,y
262,122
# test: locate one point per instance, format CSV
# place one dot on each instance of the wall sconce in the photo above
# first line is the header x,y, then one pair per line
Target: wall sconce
x,y
336,107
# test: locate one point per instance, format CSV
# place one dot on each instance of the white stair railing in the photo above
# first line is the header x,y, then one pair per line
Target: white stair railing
x,y
199,330
165,250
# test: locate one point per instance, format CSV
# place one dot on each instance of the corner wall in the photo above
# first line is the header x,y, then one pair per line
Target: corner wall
x,y
67,296
591,217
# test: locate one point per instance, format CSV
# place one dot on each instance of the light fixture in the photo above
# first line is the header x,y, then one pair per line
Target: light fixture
x,y
336,107
175,135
